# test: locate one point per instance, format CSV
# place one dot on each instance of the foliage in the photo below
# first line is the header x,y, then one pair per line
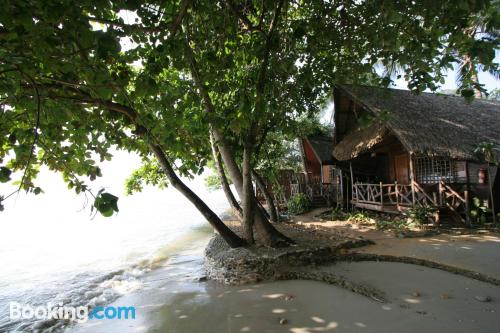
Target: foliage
x,y
494,95
490,151
149,173
421,214
397,224
105,203
379,221
212,181
338,214
79,78
299,204
478,212
361,217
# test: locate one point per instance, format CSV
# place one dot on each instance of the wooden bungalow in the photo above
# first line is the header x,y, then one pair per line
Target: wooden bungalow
x,y
405,150
322,178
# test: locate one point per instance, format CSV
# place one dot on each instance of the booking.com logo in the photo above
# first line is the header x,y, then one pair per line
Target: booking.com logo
x,y
79,314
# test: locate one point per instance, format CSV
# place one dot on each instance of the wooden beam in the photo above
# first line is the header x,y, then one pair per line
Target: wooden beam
x,y
412,180
341,186
467,198
381,194
352,183
490,183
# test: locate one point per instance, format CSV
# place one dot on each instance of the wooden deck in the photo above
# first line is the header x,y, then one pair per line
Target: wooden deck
x,y
397,198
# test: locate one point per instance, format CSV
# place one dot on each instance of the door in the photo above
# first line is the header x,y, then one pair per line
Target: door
x,y
401,168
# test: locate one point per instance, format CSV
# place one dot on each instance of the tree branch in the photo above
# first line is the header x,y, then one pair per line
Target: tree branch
x,y
267,48
172,26
246,22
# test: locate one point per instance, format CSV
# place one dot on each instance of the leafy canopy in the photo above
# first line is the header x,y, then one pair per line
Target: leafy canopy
x,y
77,78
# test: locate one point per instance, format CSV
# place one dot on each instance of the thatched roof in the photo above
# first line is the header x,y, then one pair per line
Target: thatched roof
x,y
322,146
430,124
359,141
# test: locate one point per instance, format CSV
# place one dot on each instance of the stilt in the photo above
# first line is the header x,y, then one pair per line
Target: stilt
x,y
490,183
352,186
412,179
467,191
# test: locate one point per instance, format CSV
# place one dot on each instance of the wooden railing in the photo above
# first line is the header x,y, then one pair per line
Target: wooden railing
x,y
397,197
422,198
327,190
394,194
383,194
450,198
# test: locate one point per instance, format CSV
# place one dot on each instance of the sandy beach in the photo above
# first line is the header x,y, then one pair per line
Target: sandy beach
x,y
418,299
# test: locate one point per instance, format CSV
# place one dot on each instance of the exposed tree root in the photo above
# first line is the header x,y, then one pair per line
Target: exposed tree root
x,y
336,280
421,262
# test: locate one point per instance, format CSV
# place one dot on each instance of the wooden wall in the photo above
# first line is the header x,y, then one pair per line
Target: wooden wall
x,y
312,164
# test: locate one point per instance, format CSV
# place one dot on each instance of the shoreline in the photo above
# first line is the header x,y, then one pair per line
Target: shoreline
x,y
175,300
321,284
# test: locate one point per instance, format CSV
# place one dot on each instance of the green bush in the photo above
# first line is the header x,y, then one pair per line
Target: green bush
x,y
299,204
394,224
421,214
362,217
478,212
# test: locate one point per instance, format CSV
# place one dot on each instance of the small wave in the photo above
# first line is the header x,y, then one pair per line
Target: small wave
x,y
87,289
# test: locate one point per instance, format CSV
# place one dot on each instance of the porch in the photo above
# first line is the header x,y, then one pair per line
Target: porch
x,y
396,198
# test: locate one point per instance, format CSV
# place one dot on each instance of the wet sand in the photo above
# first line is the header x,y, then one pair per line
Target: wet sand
x,y
420,299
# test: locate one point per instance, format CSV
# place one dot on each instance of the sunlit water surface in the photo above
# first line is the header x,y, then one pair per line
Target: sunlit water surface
x,y
52,250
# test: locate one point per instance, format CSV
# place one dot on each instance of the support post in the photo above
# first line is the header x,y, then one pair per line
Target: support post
x,y
341,184
467,207
396,191
490,185
381,194
352,187
412,179
440,193
467,191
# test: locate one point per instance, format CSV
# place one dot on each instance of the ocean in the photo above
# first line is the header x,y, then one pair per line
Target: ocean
x,y
53,250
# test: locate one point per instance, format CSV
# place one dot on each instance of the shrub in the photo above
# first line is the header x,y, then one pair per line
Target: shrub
x,y
338,214
362,217
299,204
394,224
421,214
479,212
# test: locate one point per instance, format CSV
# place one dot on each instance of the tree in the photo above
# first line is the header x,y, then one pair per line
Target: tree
x,y
482,29
240,71
68,92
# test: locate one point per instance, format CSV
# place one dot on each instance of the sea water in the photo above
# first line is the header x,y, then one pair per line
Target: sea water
x,y
53,250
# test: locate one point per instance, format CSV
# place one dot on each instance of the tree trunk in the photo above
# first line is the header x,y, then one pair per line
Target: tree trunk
x,y
227,234
267,233
273,214
248,199
224,181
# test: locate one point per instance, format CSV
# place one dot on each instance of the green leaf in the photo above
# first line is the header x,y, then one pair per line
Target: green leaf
x,y
106,203
4,174
468,94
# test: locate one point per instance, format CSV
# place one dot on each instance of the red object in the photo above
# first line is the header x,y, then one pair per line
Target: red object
x,y
482,177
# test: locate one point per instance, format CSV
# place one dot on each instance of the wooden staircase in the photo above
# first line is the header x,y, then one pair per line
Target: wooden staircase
x,y
451,204
318,201
450,217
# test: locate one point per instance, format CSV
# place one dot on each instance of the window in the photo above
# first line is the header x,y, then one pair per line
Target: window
x,y
430,170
